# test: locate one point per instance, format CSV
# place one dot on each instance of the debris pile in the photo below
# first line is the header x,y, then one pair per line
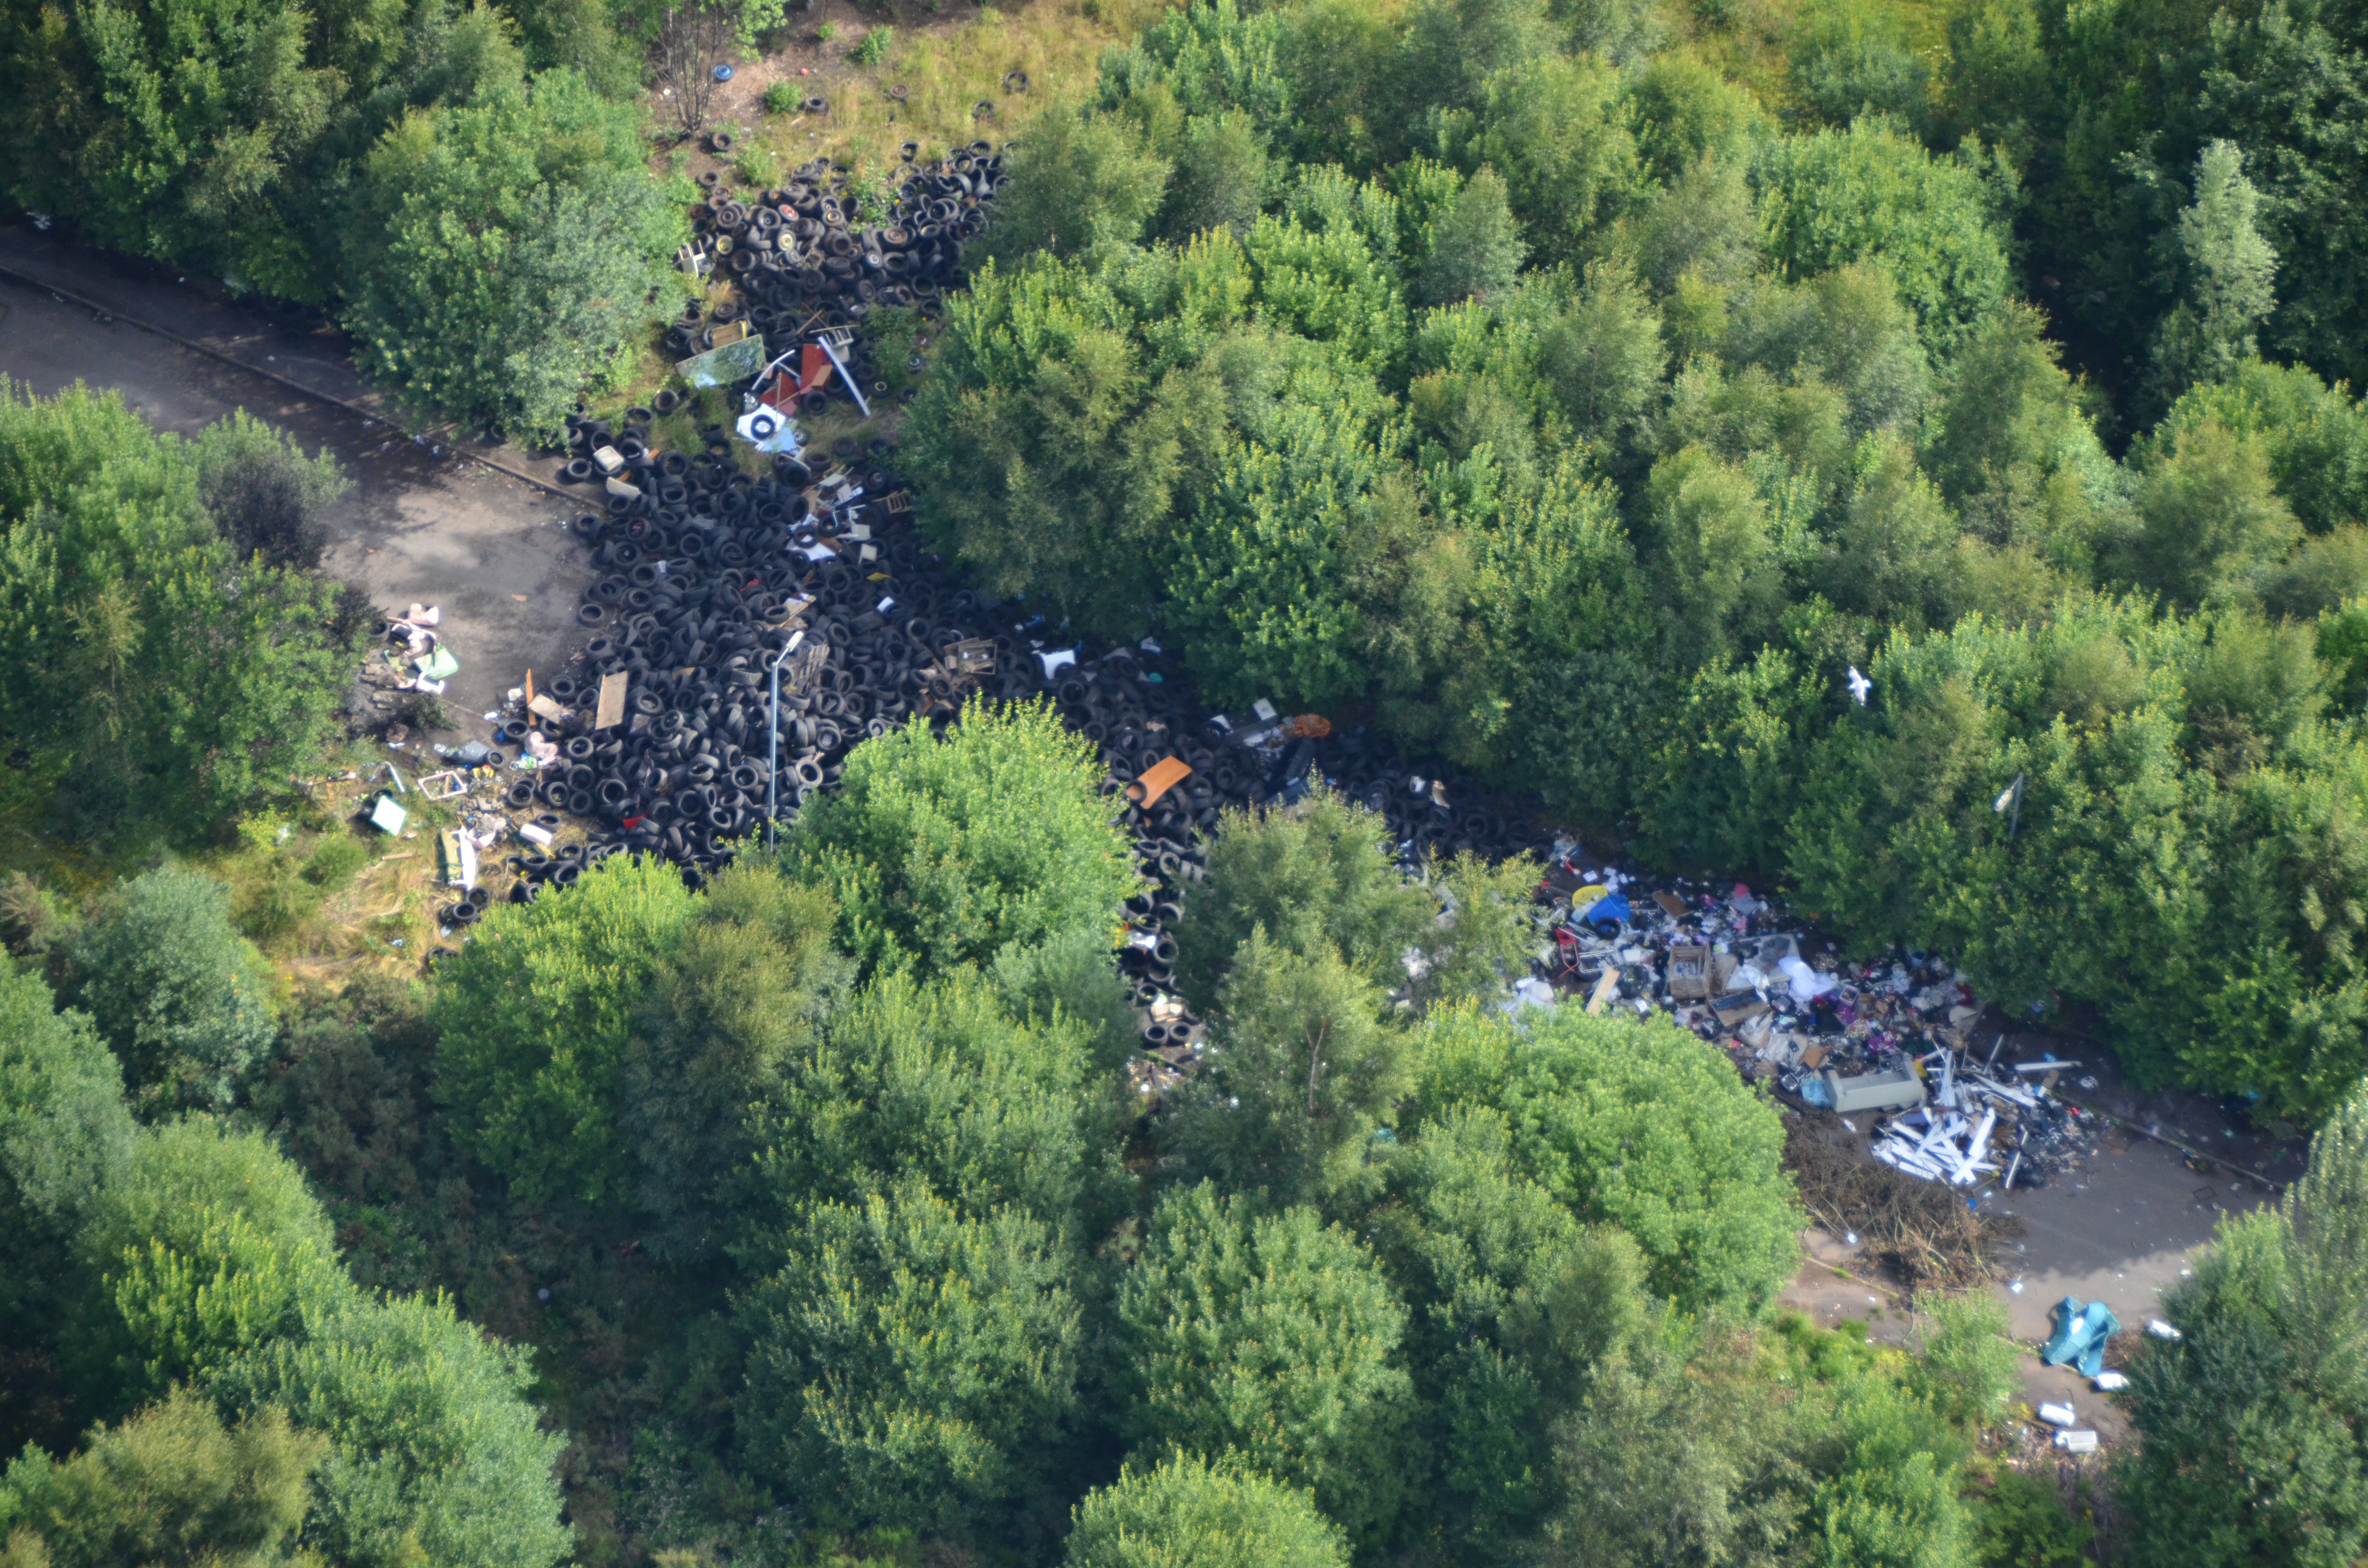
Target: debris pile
x,y
808,253
1923,1231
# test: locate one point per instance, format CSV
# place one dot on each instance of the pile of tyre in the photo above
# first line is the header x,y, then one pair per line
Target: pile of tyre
x,y
802,254
706,573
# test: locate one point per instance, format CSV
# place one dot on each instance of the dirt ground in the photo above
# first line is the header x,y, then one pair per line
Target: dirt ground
x,y
419,524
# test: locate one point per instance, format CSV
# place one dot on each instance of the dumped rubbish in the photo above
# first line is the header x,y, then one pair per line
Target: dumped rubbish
x,y
2058,1415
1899,1087
388,816
2108,1382
2081,1330
2079,1442
2160,1329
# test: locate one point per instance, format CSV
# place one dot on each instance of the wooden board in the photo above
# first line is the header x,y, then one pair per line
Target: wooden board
x,y
612,711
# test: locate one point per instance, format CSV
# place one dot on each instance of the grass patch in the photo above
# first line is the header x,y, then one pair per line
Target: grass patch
x,y
945,68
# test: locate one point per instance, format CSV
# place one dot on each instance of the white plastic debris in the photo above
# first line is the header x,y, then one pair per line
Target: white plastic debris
x,y
2058,1415
1807,983
2080,1442
2110,1382
2161,1330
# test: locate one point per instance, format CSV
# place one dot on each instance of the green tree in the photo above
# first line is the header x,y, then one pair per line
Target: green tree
x,y
915,1366
1717,567
1515,1309
2012,448
724,1022
1316,878
1083,183
184,999
65,1135
1190,1513
1604,358
170,129
1048,446
206,1248
2208,522
536,1017
1555,131
518,245
1639,1125
1301,1072
1220,178
1562,671
171,1486
935,1082
1474,248
1275,1337
2231,273
176,681
949,850
438,1455
1868,194
1891,553
1265,570
1667,1461
264,493
1846,61
1848,328
2316,435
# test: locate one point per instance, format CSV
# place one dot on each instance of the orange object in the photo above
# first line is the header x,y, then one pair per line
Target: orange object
x,y
1157,779
1308,727
814,367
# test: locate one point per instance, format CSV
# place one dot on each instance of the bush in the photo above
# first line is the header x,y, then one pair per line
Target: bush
x,y
1272,1337
1639,1125
1190,1512
265,494
536,1015
949,850
184,999
784,96
873,47
519,251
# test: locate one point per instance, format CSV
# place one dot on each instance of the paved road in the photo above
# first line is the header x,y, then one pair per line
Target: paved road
x,y
419,524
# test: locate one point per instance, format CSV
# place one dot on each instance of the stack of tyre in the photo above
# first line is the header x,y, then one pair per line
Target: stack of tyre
x,y
803,253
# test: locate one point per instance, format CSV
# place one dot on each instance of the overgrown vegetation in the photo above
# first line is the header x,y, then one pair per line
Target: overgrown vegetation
x,y
820,1192
1583,391
466,191
1544,390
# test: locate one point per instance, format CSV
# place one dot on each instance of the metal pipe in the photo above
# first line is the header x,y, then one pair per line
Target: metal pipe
x,y
773,737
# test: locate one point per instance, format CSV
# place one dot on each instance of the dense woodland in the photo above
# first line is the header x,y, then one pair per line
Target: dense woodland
x,y
1574,391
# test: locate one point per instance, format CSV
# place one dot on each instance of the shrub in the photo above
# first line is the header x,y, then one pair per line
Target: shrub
x,y
182,998
874,47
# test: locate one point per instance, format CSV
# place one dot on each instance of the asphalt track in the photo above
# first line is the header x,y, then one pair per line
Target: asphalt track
x,y
426,519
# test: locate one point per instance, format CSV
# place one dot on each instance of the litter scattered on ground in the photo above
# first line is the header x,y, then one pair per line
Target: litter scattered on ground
x,y
2081,1331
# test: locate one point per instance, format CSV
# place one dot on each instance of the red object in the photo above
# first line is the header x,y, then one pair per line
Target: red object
x,y
814,367
632,822
1566,951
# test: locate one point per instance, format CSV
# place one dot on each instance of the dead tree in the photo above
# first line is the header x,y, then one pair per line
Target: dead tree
x,y
694,38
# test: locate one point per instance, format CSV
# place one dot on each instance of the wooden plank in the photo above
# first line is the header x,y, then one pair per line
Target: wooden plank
x,y
612,711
